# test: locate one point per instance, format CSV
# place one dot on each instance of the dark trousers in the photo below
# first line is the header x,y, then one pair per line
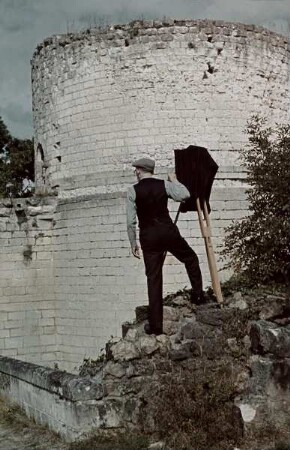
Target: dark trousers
x,y
155,240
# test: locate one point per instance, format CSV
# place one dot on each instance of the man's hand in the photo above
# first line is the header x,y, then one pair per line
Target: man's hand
x,y
172,177
136,252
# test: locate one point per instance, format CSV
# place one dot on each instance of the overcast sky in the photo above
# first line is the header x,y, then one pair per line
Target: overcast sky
x,y
25,23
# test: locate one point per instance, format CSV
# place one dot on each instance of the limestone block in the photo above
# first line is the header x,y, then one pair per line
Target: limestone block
x,y
84,388
179,301
191,329
275,307
137,368
248,412
170,313
164,343
125,351
170,327
148,344
210,315
267,337
181,351
157,445
131,334
116,370
238,303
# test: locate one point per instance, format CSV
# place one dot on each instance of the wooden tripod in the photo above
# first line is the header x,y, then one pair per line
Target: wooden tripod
x,y
204,222
205,228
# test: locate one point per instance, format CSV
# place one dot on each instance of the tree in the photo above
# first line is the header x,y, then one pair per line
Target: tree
x,y
5,136
16,164
259,245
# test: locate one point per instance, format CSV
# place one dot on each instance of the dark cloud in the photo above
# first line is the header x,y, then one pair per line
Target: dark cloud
x,y
25,23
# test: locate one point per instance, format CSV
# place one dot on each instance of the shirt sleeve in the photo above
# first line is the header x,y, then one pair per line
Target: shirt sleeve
x,y
131,216
176,190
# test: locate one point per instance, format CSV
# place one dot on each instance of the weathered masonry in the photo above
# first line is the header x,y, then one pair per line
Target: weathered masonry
x,y
100,99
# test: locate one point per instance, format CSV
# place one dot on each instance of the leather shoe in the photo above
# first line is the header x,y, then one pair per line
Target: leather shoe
x,y
198,299
148,330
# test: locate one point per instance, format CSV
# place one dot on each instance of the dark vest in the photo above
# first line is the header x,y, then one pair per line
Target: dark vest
x,y
151,202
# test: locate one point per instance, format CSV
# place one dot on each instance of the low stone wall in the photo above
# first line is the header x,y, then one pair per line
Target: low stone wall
x,y
67,404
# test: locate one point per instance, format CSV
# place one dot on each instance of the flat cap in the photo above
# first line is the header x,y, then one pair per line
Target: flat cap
x,y
145,163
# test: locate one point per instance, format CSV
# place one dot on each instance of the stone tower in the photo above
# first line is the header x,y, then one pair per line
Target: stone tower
x,y
100,99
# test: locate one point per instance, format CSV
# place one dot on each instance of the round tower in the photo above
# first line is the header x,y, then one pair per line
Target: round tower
x,y
102,98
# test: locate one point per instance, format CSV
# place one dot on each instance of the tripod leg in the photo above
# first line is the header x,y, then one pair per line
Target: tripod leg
x,y
206,233
215,277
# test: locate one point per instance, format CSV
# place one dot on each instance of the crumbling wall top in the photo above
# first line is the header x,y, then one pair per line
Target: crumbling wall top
x,y
118,35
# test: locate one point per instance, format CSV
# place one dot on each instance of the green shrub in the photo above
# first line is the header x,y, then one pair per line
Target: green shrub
x,y
194,409
258,246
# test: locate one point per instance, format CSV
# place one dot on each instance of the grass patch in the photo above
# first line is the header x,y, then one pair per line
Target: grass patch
x,y
283,446
11,415
268,435
112,441
13,418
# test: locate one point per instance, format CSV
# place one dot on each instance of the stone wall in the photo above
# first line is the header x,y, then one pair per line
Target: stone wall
x,y
68,278
27,300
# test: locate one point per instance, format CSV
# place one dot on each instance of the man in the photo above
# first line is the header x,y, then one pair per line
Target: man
x,y
158,234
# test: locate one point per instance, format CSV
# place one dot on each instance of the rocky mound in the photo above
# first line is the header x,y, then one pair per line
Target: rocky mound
x,y
218,378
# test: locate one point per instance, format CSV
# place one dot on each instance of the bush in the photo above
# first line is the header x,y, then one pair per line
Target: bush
x,y
194,408
259,245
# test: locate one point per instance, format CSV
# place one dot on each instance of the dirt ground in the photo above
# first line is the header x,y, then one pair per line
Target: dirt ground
x,y
17,432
